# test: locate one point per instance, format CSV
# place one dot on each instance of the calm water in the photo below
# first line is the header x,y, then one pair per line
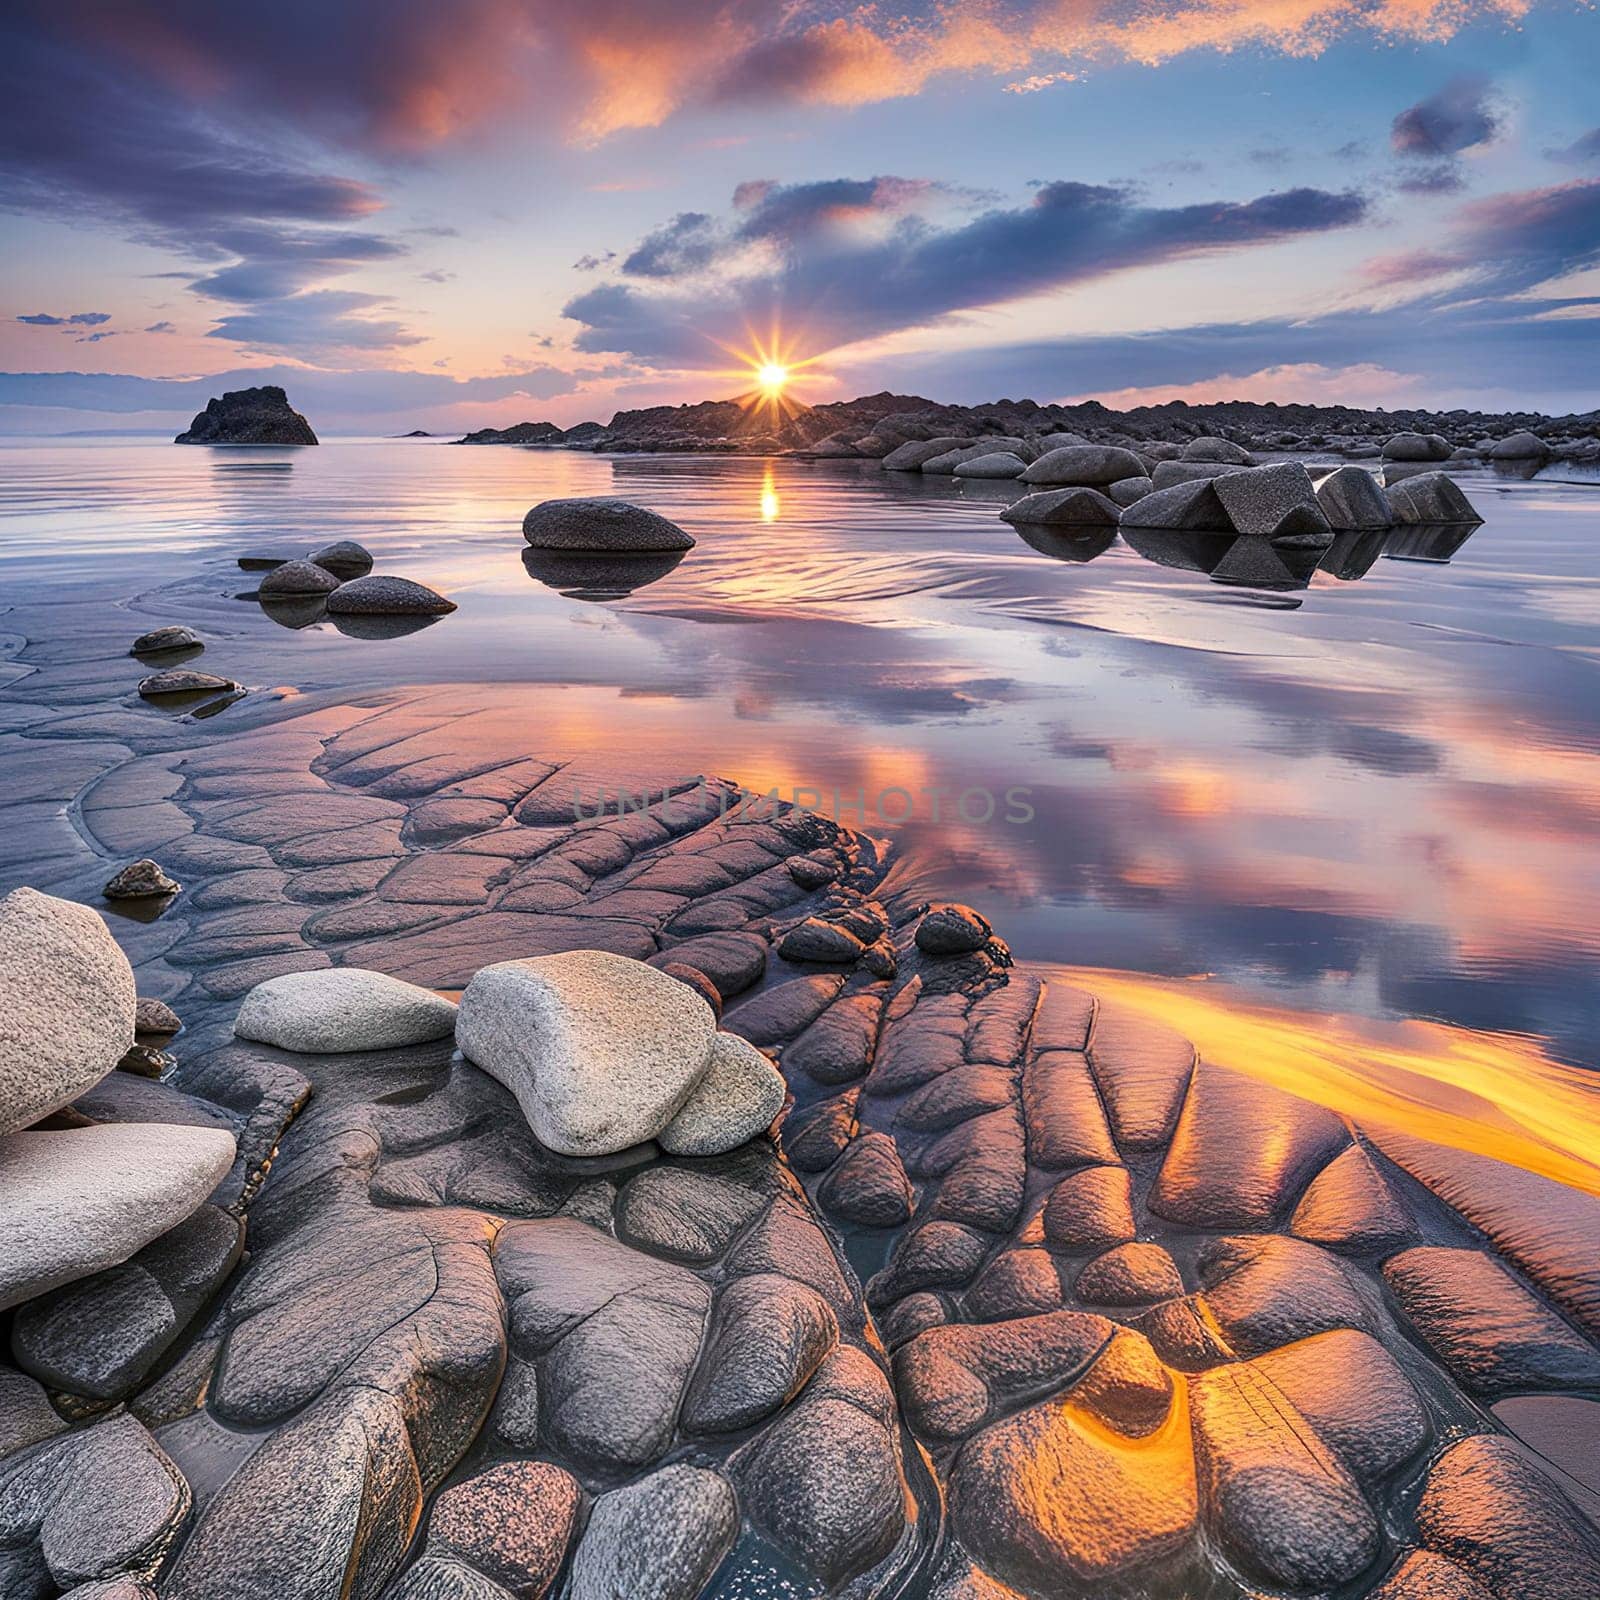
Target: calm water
x,y
1378,797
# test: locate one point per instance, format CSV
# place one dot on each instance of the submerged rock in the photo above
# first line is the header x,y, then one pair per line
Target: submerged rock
x,y
141,880
600,524
249,416
67,1003
181,680
387,597
601,1052
159,641
342,1009
82,1199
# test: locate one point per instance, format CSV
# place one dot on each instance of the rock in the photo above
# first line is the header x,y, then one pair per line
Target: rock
x,y
1224,450
658,1539
1126,490
1189,506
181,680
26,1415
67,1005
816,940
323,1510
155,1017
1431,497
146,1061
1084,464
249,416
93,1505
296,578
944,465
1169,473
600,524
1256,563
600,1051
1072,507
512,1523
1130,1275
1520,447
103,1335
161,640
141,880
1416,447
387,597
1092,1209
996,464
1352,498
952,930
342,1009
698,981
768,1334
79,1200
344,558
1275,502
909,456
867,1184
683,1213
736,1100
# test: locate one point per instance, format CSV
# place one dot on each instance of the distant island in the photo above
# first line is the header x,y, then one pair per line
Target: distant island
x,y
249,416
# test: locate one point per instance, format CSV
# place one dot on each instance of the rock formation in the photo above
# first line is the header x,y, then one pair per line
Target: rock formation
x,y
249,416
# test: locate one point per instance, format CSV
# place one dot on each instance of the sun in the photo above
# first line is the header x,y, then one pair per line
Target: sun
x,y
772,369
772,376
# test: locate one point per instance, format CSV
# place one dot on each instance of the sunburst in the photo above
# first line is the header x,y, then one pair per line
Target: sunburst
x,y
772,369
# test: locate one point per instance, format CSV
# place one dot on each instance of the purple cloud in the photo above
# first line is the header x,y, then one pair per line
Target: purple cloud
x,y
1461,116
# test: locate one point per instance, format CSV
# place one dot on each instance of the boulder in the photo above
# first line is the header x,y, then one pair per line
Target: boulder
x,y
1276,502
1520,447
342,1009
736,1100
1074,507
1084,464
1351,498
1126,490
155,1017
387,597
1190,507
946,463
344,558
161,640
141,880
952,930
1224,450
249,416
82,1199
600,524
512,1523
1167,473
1431,497
658,1539
296,578
909,456
67,1004
996,464
1416,447
600,1051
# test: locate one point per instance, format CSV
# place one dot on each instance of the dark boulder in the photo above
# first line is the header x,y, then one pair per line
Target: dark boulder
x,y
249,416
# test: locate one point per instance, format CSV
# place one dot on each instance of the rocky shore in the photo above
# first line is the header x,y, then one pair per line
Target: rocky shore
x,y
249,416
1019,1297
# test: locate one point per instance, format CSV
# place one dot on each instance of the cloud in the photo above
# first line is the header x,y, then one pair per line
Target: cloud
x,y
320,321
844,285
1461,116
76,319
161,327
1445,178
1582,150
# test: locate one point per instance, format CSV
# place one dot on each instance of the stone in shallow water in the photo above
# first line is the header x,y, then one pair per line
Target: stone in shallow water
x,y
67,1004
816,940
735,1101
1078,507
1191,506
600,524
344,558
156,1018
1431,497
387,597
1352,498
1273,501
182,680
1266,1290
1142,1070
160,640
512,1523
296,578
658,1539
343,1009
687,1214
141,880
600,1051
1491,1333
1416,447
1214,449
768,1334
83,1199
102,1336
994,464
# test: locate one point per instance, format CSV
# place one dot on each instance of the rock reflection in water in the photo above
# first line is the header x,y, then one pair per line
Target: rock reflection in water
x,y
598,574
1067,544
1428,541
295,611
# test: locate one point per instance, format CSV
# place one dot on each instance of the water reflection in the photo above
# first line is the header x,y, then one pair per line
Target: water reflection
x,y
598,575
771,505
1067,544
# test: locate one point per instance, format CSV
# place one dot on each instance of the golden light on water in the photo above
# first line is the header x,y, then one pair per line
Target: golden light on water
x,y
770,503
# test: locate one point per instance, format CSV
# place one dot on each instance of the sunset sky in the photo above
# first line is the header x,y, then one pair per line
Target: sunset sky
x,y
425,215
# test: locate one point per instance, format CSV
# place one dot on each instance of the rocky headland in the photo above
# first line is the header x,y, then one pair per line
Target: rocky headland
x,y
249,416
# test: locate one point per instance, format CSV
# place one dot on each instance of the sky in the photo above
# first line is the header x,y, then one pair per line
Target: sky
x,y
419,215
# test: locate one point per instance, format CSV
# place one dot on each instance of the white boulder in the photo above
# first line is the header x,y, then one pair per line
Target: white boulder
x,y
737,1098
79,1200
600,1051
341,1009
67,1001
